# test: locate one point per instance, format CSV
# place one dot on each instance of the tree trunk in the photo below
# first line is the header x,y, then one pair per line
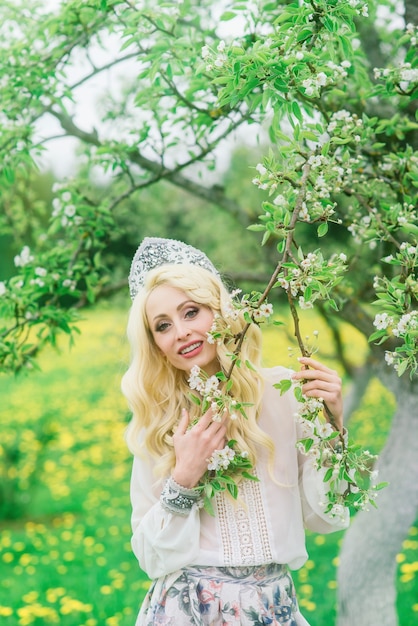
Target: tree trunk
x,y
367,572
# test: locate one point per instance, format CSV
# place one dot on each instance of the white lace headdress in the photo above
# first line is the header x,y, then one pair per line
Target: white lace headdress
x,y
155,251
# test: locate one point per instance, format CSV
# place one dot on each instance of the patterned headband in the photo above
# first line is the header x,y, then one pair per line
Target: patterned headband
x,y
155,251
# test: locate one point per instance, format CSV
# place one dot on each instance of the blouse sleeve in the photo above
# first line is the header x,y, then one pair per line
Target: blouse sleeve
x,y
163,542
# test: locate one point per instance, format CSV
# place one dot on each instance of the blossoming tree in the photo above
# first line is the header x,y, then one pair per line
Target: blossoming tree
x,y
336,92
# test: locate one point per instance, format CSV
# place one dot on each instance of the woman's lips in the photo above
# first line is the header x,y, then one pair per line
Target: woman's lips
x,y
191,349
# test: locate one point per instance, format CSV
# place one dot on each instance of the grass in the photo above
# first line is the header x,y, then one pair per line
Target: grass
x,y
66,557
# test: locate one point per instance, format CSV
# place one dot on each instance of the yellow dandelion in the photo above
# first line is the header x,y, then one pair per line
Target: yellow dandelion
x,y
6,611
319,540
29,598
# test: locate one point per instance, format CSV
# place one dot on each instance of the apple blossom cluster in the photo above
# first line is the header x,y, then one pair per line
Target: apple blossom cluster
x,y
405,76
405,329
347,124
65,210
312,277
334,74
397,318
406,323
225,465
24,258
214,59
212,397
248,306
40,275
361,7
377,224
412,32
221,459
327,175
349,478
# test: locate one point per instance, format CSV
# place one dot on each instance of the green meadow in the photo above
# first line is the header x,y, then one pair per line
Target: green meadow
x,y
65,555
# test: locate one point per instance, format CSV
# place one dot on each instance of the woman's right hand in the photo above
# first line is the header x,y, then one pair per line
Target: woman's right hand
x,y
194,446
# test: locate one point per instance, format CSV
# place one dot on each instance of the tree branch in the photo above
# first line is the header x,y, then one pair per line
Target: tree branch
x,y
214,194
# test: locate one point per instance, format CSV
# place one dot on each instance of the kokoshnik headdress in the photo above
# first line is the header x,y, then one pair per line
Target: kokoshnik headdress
x,y
155,251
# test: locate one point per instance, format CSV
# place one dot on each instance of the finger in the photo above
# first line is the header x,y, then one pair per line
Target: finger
x,y
204,421
212,419
331,386
313,363
183,423
329,376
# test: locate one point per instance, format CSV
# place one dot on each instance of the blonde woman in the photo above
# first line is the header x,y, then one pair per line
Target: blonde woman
x,y
230,567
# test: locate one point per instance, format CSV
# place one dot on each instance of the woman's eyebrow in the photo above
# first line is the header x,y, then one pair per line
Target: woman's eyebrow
x,y
180,306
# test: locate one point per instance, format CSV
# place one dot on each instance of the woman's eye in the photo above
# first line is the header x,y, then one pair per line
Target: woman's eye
x,y
192,312
162,326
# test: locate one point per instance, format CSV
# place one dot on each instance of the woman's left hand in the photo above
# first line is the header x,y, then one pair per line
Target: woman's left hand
x,y
322,382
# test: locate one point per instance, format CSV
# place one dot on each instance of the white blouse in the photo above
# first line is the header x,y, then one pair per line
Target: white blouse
x,y
265,525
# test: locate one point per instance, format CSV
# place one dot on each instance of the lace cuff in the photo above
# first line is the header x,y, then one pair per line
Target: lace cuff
x,y
177,499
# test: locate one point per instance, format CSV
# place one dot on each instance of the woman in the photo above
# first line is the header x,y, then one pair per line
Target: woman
x,y
229,568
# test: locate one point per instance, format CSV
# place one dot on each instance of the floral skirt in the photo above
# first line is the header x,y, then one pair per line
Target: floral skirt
x,y
222,596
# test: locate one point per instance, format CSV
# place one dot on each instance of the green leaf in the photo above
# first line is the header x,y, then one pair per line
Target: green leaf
x,y
228,15
322,229
266,237
402,367
283,386
9,174
328,474
207,504
233,490
296,110
284,17
194,399
250,476
378,334
256,227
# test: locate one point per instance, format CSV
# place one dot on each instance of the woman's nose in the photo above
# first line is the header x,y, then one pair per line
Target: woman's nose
x,y
182,330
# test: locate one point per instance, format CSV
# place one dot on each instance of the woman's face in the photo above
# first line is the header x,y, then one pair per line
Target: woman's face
x,y
179,326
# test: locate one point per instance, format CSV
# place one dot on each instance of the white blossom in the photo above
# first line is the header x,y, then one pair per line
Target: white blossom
x,y
338,511
390,357
321,79
324,430
24,258
221,459
308,86
382,321
69,210
261,169
305,304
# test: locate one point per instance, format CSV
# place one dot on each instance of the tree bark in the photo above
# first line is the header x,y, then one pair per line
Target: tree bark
x,y
367,571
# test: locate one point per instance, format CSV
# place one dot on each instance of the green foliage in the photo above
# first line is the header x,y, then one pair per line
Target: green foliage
x,y
22,455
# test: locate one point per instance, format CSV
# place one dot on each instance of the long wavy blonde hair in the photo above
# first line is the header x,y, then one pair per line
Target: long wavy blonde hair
x,y
156,391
